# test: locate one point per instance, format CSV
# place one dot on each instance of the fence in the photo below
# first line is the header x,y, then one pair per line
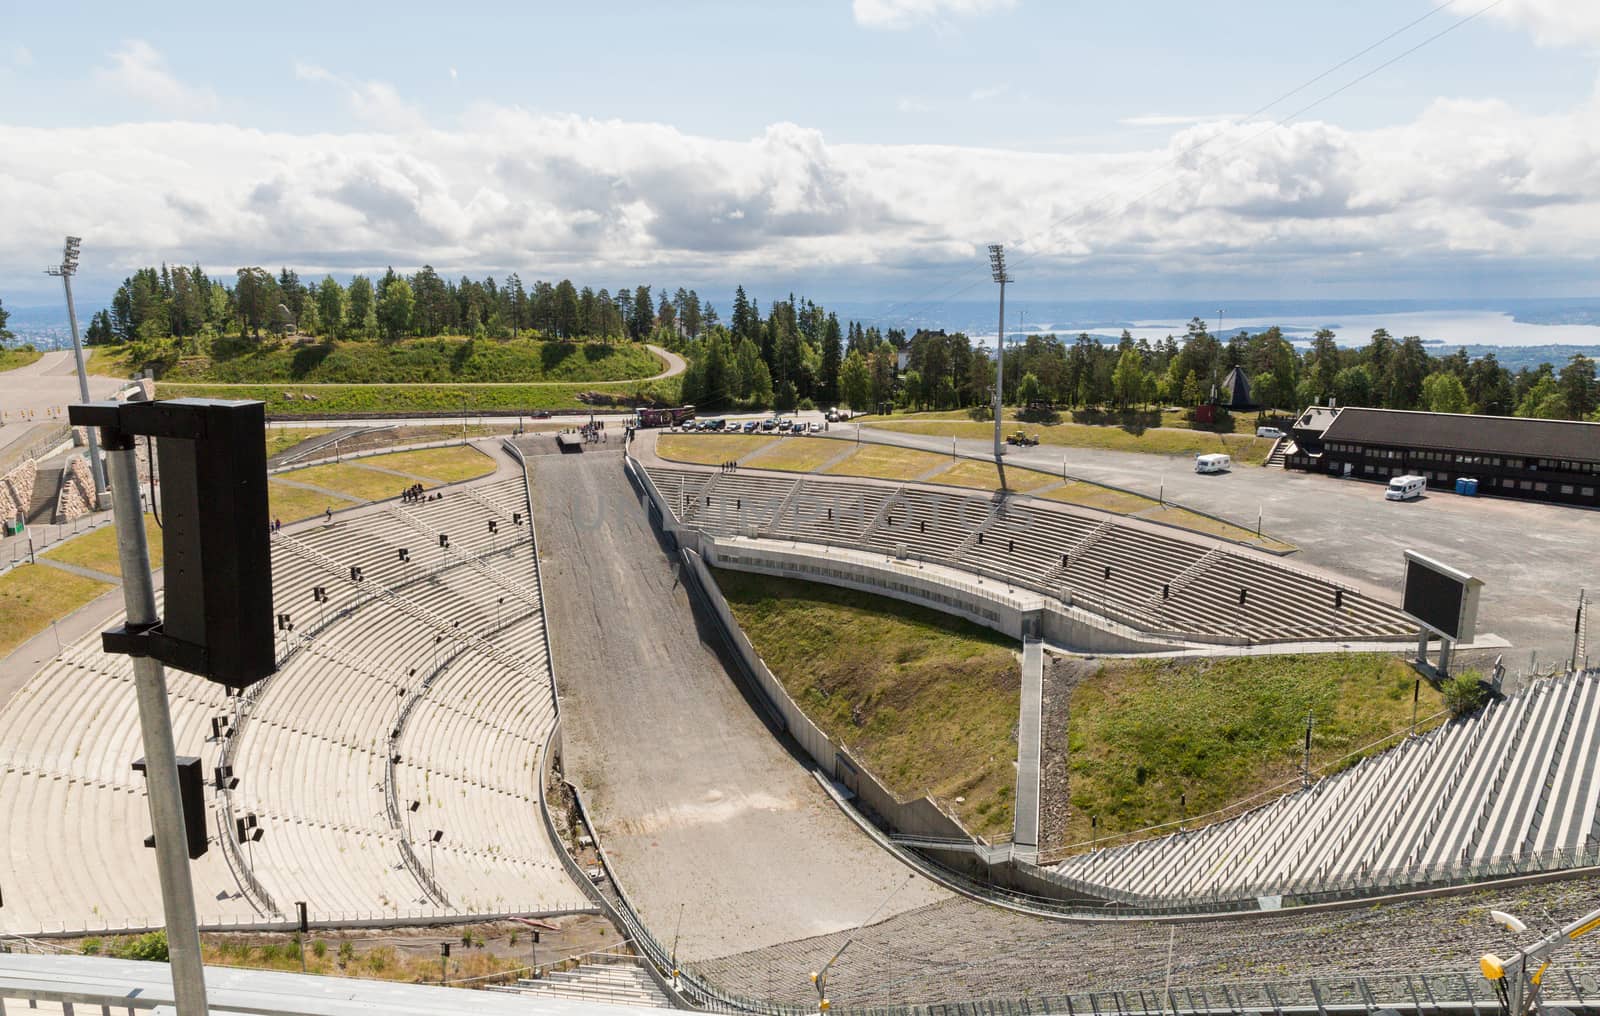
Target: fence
x,y
366,454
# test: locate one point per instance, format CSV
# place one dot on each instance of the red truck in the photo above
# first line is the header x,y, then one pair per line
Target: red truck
x,y
665,417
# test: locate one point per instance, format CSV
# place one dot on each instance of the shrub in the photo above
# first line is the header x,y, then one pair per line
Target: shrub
x,y
89,947
347,952
151,947
1465,694
319,949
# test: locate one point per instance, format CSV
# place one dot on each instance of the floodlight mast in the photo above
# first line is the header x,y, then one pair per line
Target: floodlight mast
x,y
997,268
66,270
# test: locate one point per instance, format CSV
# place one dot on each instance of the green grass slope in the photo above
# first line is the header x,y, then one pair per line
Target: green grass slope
x,y
927,701
415,361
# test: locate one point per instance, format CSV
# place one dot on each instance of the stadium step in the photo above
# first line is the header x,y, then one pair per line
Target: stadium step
x,y
613,983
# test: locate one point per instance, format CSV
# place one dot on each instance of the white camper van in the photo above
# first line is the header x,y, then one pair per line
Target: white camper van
x,y
1212,463
1406,488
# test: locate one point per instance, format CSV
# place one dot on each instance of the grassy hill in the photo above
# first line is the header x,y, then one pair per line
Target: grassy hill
x,y
927,701
444,360
1142,734
286,400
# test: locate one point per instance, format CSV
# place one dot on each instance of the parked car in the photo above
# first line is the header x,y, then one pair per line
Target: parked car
x,y
750,426
769,425
1272,432
541,414
816,428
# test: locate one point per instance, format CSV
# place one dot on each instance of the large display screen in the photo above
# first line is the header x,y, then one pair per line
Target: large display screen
x,y
1434,598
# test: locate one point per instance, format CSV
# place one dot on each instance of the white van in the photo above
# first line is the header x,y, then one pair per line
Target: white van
x,y
1406,488
1212,463
1272,432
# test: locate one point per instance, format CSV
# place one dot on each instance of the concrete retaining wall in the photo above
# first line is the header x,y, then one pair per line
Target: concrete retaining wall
x,y
919,817
1014,612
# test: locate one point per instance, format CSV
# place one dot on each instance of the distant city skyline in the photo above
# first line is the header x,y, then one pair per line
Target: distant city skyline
x,y
850,151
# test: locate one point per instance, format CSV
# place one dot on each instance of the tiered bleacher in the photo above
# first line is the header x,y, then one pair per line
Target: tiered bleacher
x,y
413,699
1512,789
1156,580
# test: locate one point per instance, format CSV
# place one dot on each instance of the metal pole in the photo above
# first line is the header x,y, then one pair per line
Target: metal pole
x,y
95,467
155,724
1000,372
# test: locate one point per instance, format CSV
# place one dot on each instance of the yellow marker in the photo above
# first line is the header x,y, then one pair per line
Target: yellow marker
x,y
1584,929
1539,974
1492,966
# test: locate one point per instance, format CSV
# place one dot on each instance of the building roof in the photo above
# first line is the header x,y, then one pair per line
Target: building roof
x,y
1237,385
1316,418
1495,435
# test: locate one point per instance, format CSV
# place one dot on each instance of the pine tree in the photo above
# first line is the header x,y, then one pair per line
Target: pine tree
x,y
832,352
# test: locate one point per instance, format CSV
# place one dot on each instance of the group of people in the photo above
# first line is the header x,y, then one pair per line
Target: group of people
x,y
594,431
414,495
728,467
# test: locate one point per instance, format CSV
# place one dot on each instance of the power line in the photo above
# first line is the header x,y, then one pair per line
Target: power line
x,y
928,301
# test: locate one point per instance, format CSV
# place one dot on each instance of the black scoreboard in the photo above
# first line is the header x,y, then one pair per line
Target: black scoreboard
x,y
1440,598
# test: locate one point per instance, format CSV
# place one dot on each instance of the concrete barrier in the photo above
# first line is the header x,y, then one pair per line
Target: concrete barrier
x,y
1012,611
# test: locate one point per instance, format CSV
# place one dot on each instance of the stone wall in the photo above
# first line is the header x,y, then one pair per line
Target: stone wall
x,y
16,489
76,498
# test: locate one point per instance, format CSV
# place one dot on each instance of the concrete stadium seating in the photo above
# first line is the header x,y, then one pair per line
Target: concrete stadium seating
x,y
1501,789
441,662
1157,580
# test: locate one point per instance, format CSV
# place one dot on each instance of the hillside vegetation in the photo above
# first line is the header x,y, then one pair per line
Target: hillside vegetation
x,y
927,701
413,361
1144,734
374,399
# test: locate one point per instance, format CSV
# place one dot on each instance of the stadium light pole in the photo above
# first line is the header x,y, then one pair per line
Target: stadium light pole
x,y
997,269
66,270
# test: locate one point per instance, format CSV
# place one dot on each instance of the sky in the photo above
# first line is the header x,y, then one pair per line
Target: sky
x,y
846,149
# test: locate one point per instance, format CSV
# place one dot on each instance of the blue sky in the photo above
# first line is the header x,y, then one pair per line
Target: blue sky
x,y
852,149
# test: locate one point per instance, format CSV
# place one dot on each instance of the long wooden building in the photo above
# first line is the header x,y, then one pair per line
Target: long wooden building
x,y
1542,460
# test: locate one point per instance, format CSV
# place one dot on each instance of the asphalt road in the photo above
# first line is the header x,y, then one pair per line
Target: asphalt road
x,y
48,383
698,804
1532,557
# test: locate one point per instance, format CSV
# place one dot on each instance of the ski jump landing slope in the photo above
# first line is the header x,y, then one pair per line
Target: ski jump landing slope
x,y
697,802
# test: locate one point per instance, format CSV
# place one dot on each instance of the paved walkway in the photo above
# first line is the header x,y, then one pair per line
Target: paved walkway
x,y
1025,828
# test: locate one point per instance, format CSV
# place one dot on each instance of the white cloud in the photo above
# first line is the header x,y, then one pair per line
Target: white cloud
x,y
1553,22
988,92
907,104
138,71
897,14
374,102
21,56
606,200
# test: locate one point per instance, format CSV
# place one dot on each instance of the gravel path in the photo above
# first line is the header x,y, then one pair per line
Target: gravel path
x,y
696,801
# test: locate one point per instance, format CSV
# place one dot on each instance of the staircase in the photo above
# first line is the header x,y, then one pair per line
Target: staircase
x,y
1279,450
46,488
612,983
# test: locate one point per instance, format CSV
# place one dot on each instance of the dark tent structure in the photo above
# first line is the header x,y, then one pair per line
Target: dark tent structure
x,y
1236,391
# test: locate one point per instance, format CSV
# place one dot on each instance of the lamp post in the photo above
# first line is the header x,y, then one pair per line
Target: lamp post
x,y
997,269
66,270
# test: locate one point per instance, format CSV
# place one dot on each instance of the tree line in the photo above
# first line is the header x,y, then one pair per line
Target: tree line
x,y
182,302
799,353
